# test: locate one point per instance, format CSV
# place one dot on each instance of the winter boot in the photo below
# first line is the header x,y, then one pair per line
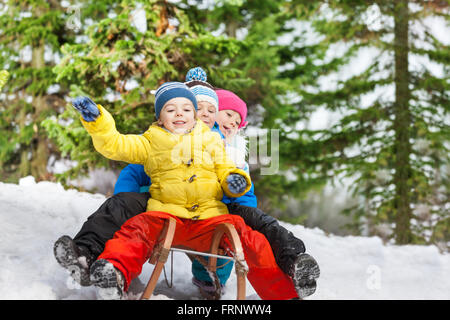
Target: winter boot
x,y
304,272
109,281
73,258
208,290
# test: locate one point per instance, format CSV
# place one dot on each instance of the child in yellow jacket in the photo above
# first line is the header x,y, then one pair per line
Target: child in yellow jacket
x,y
186,161
188,167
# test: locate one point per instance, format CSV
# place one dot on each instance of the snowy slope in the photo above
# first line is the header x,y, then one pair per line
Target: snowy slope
x,y
33,215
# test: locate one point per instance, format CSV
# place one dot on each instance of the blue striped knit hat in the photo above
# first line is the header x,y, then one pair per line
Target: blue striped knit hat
x,y
170,90
203,91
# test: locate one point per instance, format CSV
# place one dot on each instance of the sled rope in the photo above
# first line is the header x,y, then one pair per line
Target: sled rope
x,y
196,253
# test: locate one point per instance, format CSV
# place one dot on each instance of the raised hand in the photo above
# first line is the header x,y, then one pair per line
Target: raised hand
x,y
87,108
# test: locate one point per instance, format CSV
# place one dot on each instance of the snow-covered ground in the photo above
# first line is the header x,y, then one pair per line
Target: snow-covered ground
x,y
33,215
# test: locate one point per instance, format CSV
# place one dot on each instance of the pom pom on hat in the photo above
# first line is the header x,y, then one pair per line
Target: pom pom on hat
x,y
196,73
203,91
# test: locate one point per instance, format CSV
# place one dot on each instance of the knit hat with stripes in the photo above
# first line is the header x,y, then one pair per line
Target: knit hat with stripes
x,y
170,90
203,91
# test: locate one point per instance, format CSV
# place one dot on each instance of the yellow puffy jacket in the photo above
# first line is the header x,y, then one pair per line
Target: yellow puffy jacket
x,y
188,172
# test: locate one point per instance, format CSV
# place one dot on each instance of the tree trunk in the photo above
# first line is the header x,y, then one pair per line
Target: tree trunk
x,y
402,124
40,143
24,166
231,29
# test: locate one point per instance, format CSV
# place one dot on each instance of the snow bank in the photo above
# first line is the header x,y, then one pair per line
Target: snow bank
x,y
33,215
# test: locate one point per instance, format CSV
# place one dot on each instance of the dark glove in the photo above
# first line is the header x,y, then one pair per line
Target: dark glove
x,y
236,183
88,109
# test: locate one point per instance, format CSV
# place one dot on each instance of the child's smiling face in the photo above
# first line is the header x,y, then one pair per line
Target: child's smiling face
x,y
207,113
229,121
177,115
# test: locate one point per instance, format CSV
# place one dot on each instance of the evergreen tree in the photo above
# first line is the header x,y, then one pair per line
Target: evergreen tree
x,y
389,133
30,38
237,42
26,28
265,73
122,62
31,35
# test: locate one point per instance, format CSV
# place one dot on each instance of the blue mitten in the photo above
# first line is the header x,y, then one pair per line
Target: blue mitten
x,y
236,183
88,109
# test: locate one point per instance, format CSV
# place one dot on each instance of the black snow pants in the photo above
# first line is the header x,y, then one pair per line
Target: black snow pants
x,y
112,214
103,223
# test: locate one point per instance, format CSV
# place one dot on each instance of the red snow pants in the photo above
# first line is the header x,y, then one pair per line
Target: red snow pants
x,y
133,244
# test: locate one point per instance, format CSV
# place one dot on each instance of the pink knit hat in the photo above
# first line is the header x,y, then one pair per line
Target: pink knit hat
x,y
229,101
